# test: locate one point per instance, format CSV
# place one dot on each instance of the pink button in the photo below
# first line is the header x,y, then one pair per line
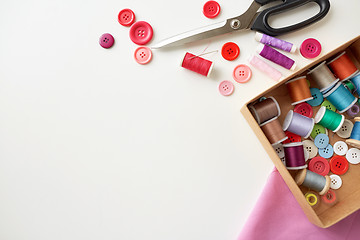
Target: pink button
x,y
242,73
211,9
141,32
143,55
126,17
106,40
310,48
226,88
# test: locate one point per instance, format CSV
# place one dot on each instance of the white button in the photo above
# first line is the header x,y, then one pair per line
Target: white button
x,y
279,149
345,130
336,181
353,156
340,148
283,160
310,147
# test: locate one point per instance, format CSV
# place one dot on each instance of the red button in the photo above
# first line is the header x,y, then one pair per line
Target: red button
x,y
106,40
242,73
126,17
339,165
226,88
304,109
230,51
143,55
310,48
292,137
211,9
319,165
141,33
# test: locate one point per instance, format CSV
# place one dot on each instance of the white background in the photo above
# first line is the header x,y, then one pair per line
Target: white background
x,y
96,146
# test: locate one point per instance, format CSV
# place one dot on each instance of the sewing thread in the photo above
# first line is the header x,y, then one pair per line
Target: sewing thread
x,y
343,67
340,97
356,81
265,68
298,124
329,119
273,131
275,42
313,181
299,90
197,64
294,156
354,139
276,57
265,110
323,77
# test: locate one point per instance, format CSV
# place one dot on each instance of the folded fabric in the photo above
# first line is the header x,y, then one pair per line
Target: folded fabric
x,y
277,215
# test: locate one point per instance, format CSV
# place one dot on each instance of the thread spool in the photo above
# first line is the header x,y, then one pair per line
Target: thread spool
x,y
353,110
343,67
329,119
298,124
323,77
349,86
340,97
273,131
299,90
314,181
356,81
329,198
275,42
276,57
354,139
197,64
265,68
265,110
312,198
294,156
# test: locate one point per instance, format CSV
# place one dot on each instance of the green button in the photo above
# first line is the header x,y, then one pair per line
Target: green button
x,y
317,130
329,105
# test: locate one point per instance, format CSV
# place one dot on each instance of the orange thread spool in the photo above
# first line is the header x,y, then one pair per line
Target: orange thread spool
x,y
273,131
299,90
343,67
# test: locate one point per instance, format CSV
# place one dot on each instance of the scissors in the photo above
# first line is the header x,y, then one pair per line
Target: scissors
x,y
251,19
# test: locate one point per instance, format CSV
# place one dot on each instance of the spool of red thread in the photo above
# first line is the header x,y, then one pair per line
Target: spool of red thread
x,y
343,67
197,64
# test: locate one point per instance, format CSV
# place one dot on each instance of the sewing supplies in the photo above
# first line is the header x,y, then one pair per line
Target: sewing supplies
x,y
265,110
211,9
355,134
143,55
329,119
126,17
336,181
318,98
323,77
265,68
230,51
349,86
310,48
314,181
310,147
329,198
317,129
304,109
340,97
339,165
197,64
329,105
353,110
345,129
319,165
343,67
242,73
141,33
321,140
106,40
276,57
273,131
299,90
353,156
226,88
312,198
326,152
294,156
275,42
356,81
298,124
341,148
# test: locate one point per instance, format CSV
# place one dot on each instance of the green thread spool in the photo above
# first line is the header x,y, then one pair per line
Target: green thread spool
x,y
349,85
329,119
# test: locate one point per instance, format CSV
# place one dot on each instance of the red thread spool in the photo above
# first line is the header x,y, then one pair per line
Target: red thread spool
x,y
343,67
197,64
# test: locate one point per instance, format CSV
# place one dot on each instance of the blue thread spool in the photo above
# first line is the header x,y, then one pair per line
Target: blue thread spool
x,y
356,81
354,139
340,97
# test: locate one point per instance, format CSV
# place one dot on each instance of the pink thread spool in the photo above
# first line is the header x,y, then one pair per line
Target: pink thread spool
x,y
276,57
197,64
265,68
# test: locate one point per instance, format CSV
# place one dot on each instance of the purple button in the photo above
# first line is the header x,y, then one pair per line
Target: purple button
x,y
141,32
106,40
310,48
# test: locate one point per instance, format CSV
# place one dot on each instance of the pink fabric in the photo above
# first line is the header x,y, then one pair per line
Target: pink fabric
x,y
277,216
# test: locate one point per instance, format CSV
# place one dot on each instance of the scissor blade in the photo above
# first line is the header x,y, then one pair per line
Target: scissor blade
x,y
194,35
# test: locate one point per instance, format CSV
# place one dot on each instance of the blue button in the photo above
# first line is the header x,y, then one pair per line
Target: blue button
x,y
318,97
326,152
321,140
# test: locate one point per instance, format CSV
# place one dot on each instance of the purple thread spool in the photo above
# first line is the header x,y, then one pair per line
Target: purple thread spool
x,y
276,57
298,124
275,42
353,110
294,156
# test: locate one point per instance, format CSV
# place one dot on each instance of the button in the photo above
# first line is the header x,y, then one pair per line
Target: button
x,y
321,140
143,55
317,129
141,33
226,88
335,182
353,110
310,48
304,109
211,9
279,149
329,105
306,155
353,156
317,97
106,40
339,165
126,17
319,165
310,147
242,73
326,152
329,197
345,130
230,51
341,148
292,137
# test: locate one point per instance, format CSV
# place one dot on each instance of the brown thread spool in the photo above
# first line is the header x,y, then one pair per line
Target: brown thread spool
x,y
322,75
343,67
265,110
273,131
299,90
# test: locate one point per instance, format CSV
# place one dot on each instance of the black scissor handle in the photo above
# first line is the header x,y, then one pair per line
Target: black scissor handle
x,y
261,22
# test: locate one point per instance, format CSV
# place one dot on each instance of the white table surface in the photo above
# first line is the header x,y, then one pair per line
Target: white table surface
x,y
96,146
